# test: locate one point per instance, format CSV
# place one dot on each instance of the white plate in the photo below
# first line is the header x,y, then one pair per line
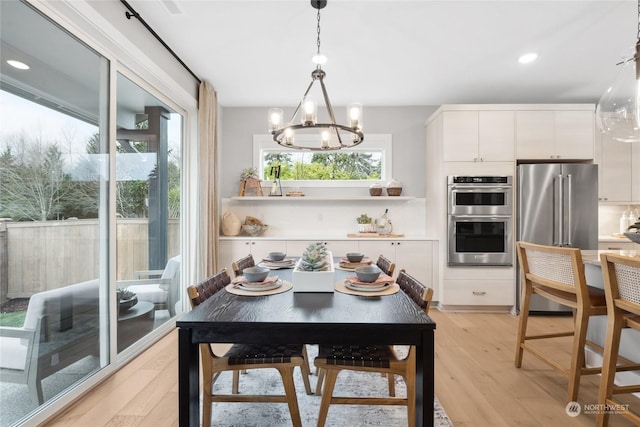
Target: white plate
x,y
258,286
366,288
278,264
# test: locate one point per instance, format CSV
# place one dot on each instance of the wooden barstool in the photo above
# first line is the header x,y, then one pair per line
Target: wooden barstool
x,y
622,288
557,274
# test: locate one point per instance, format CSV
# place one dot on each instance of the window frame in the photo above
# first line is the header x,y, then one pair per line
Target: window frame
x,y
372,142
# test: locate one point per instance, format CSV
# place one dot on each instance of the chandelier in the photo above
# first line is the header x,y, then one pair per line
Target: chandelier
x,y
329,136
618,110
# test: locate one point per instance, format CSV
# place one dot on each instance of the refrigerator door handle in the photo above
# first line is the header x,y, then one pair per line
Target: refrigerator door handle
x,y
570,211
560,239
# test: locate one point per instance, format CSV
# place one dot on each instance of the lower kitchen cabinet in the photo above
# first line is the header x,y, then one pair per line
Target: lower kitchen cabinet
x,y
478,287
338,248
231,250
415,256
620,246
479,293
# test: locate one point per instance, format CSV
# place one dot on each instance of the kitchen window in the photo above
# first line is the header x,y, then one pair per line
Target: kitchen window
x,y
355,167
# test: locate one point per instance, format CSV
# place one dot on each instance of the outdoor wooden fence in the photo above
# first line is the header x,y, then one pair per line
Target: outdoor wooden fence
x,y
42,255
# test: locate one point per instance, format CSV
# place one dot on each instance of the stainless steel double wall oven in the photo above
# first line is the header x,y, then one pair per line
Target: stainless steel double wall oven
x,y
480,220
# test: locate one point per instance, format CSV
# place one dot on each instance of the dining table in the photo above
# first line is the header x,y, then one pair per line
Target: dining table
x,y
305,318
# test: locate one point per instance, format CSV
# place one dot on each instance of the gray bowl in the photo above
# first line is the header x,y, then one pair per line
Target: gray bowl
x,y
355,256
277,256
255,274
633,236
368,273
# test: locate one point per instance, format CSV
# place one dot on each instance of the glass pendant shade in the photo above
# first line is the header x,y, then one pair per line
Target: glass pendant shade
x,y
276,117
618,110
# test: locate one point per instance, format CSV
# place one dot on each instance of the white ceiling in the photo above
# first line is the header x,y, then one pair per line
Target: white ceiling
x,y
400,52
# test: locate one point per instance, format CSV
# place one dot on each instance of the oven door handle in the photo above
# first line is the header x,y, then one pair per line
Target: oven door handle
x,y
479,189
473,216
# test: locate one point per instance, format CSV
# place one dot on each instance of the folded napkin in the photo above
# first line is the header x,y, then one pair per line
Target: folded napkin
x,y
344,262
381,280
241,280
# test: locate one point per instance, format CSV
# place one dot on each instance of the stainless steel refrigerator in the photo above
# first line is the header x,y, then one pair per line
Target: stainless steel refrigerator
x,y
557,204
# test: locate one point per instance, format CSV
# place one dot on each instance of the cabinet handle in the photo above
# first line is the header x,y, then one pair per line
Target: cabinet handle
x,y
398,243
479,293
247,243
253,243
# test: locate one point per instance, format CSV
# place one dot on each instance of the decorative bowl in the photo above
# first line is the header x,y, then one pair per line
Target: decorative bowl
x,y
255,229
355,256
633,236
255,274
126,304
368,273
277,256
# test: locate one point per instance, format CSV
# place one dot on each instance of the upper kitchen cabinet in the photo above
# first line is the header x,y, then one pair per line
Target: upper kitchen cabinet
x,y
555,134
478,136
614,160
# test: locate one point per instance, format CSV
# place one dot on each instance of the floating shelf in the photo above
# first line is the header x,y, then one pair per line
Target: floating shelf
x,y
322,198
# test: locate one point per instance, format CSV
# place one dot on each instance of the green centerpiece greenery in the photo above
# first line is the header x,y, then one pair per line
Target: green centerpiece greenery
x,y
315,258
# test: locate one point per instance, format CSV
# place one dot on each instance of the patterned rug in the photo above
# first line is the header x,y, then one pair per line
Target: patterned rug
x,y
277,414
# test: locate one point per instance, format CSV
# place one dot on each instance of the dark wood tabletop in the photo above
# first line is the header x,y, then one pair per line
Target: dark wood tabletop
x,y
305,318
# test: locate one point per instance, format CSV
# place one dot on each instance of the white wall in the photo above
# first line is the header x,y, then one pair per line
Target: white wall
x,y
405,124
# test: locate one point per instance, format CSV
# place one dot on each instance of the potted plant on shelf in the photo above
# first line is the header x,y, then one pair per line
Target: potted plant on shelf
x,y
365,224
314,271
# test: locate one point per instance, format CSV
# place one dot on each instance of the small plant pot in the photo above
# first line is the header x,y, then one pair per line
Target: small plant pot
x,y
366,228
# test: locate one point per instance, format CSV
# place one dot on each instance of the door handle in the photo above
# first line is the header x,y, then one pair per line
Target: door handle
x,y
570,210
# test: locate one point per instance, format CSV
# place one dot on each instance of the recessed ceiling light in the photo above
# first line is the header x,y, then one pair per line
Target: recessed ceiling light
x,y
17,64
528,58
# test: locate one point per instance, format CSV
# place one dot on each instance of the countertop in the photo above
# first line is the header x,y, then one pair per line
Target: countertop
x,y
613,238
593,257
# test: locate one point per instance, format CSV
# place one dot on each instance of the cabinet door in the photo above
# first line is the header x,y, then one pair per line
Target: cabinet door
x,y
374,248
417,258
231,250
535,134
574,134
496,136
635,172
460,136
339,248
615,170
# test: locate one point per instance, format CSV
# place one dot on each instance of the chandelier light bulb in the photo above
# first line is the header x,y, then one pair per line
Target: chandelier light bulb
x,y
325,139
355,115
289,135
618,110
309,111
276,118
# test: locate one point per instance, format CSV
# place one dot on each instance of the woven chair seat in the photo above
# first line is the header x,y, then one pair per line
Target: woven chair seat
x,y
244,354
369,356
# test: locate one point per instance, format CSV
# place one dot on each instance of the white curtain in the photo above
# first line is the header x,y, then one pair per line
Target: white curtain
x,y
207,180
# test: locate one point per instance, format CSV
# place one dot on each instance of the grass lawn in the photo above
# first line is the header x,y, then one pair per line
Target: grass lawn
x,y
15,318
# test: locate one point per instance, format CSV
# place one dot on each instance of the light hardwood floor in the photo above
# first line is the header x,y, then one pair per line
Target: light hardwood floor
x,y
476,381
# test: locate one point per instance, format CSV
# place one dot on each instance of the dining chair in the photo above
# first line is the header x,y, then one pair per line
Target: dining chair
x,y
239,265
621,276
333,359
557,273
236,357
386,265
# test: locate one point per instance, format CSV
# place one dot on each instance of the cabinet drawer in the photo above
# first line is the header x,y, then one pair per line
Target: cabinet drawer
x,y
478,293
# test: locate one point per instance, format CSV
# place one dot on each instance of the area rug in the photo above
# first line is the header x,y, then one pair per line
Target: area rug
x,y
277,414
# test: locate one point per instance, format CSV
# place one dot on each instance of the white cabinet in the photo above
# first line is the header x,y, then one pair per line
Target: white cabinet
x,y
619,171
478,286
232,250
478,136
614,167
415,256
558,135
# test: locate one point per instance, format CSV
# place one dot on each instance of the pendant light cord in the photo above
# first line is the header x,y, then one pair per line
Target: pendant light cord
x,y
318,40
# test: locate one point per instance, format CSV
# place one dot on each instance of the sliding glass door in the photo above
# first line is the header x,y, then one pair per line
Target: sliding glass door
x,y
90,202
